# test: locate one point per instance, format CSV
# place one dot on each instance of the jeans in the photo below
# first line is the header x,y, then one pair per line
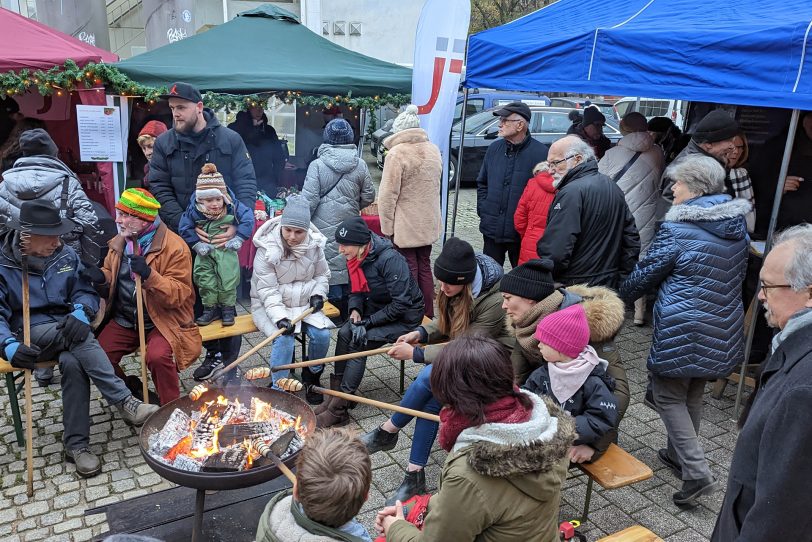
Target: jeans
x,y
419,260
284,345
419,397
79,364
351,371
496,250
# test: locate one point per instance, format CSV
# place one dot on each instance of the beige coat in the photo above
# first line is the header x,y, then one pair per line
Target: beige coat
x,y
409,195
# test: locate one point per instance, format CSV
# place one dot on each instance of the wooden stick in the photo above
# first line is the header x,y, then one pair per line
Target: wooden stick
x,y
142,340
29,423
342,357
282,467
379,404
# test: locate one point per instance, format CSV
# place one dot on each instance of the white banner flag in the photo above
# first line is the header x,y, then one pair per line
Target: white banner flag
x,y
439,52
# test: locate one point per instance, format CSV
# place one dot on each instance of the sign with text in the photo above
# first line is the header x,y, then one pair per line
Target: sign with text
x,y
99,133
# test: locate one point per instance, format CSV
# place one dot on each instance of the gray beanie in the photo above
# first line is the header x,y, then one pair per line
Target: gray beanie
x,y
296,213
407,119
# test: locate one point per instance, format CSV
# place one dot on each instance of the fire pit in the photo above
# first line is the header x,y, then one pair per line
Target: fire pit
x,y
259,472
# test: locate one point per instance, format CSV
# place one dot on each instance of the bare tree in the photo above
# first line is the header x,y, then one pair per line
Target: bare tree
x,y
490,13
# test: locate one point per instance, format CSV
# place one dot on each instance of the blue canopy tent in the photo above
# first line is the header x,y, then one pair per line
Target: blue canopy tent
x,y
748,52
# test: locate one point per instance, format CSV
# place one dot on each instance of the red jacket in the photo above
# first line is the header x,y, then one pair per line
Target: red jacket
x,y
530,218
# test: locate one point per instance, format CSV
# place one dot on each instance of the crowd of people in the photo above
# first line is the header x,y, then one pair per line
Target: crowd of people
x,y
521,366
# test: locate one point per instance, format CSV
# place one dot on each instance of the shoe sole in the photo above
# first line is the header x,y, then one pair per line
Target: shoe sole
x,y
227,324
69,459
690,500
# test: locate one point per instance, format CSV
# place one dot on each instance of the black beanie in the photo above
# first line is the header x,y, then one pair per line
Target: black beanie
x,y
592,115
531,280
37,142
456,263
353,231
717,125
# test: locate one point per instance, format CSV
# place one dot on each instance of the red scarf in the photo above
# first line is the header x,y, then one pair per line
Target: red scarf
x,y
358,281
504,410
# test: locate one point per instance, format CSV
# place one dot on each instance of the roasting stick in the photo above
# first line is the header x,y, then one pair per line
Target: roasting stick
x,y
274,449
278,462
142,340
198,390
333,359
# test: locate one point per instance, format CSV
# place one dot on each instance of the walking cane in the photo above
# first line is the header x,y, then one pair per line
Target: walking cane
x,y
139,306
29,423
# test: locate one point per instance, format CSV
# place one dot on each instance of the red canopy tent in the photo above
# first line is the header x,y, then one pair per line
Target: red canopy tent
x,y
28,44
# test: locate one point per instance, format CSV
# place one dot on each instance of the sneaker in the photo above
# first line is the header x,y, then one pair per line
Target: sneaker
x,y
87,464
210,314
379,440
693,489
135,412
413,484
229,313
212,362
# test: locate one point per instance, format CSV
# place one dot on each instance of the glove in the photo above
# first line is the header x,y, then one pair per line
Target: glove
x,y
233,244
93,275
287,325
22,356
359,334
75,328
139,266
203,249
316,302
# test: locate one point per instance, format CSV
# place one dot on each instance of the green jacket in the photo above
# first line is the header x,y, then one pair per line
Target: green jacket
x,y
497,487
282,521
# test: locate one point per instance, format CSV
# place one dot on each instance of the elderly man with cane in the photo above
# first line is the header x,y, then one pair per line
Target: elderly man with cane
x,y
61,304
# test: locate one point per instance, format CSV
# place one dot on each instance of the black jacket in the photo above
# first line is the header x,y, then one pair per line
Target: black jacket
x,y
768,485
591,237
594,406
393,296
600,146
266,151
176,163
500,184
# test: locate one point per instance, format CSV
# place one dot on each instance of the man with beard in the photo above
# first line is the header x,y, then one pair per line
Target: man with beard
x,y
770,474
591,237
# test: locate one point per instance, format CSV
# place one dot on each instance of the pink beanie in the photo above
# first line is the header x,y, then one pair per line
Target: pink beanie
x,y
566,331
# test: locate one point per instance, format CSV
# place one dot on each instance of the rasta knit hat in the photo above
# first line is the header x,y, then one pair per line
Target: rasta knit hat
x,y
139,203
716,126
531,280
456,263
566,330
353,231
338,132
407,119
296,213
210,184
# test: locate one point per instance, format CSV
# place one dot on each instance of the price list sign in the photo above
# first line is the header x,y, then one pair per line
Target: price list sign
x,y
99,133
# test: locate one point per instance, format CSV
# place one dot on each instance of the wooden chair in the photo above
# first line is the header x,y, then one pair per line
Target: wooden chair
x,y
636,533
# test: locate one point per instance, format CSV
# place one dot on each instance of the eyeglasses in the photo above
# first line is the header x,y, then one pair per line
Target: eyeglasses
x,y
554,163
503,120
768,287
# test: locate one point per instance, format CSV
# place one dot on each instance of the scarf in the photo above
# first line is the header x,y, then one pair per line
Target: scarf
x,y
525,327
505,410
208,214
358,281
567,377
144,240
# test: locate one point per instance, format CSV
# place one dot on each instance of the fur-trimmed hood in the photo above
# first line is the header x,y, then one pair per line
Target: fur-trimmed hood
x,y
269,237
718,214
604,310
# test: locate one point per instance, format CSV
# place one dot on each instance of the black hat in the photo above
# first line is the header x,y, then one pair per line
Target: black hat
x,y
660,124
184,91
456,263
37,142
531,280
353,231
717,125
592,115
41,218
520,108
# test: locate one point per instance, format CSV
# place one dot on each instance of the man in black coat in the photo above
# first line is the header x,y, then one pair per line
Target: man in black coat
x,y
507,167
591,237
769,479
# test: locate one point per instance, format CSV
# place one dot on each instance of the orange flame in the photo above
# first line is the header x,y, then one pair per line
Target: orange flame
x,y
181,448
202,453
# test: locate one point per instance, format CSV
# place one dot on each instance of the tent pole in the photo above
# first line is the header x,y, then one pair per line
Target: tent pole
x,y
779,194
458,171
362,119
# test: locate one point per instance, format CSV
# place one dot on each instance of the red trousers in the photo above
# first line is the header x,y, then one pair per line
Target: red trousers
x,y
118,341
419,260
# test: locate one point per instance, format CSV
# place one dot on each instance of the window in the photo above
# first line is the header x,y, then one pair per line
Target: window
x,y
474,106
282,117
551,123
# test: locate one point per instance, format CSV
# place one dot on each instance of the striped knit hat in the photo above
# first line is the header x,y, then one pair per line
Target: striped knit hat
x,y
210,184
139,202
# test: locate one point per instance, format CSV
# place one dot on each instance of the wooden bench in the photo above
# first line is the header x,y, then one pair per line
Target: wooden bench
x,y
616,468
636,533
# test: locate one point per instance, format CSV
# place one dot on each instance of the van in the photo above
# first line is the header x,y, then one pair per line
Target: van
x,y
654,107
481,99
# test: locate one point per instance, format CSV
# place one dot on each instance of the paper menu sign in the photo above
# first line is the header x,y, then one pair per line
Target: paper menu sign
x,y
99,133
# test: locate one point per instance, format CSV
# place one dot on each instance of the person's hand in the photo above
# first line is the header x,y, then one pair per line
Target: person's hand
x,y
93,275
581,453
228,233
355,316
401,351
792,183
202,249
201,233
75,327
316,303
388,520
234,244
287,325
139,266
413,337
22,356
359,334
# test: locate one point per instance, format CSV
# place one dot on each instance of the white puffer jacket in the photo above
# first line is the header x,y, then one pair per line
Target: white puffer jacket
x,y
641,182
281,286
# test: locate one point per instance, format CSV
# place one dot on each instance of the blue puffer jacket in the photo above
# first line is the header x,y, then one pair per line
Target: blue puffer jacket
x,y
698,260
243,219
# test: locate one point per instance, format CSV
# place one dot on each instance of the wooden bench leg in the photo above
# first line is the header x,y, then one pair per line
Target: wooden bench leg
x,y
15,408
402,376
585,515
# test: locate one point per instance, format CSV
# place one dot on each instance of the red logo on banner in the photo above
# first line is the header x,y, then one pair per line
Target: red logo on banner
x,y
455,66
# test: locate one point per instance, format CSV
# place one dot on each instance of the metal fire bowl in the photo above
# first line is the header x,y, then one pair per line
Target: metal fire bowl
x,y
262,471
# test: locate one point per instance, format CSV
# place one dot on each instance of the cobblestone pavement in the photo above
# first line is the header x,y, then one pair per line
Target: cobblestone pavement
x,y
61,497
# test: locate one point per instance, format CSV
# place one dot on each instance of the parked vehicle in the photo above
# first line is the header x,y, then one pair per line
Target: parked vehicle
x,y
654,107
577,102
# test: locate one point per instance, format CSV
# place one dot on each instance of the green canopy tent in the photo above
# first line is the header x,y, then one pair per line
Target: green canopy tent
x,y
267,49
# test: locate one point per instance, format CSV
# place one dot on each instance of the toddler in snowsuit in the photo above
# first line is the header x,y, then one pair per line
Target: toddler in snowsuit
x,y
216,270
575,377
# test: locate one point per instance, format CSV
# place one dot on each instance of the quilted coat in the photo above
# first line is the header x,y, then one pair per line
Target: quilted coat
x,y
530,218
697,261
327,211
281,286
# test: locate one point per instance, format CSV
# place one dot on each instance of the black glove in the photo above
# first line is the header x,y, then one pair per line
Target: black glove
x,y
139,266
23,357
316,302
73,329
93,275
359,333
287,325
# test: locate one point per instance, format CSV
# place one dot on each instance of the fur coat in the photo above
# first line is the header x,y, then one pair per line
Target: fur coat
x,y
409,196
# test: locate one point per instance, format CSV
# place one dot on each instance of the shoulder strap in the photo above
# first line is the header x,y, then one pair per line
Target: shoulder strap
x,y
332,187
63,205
625,168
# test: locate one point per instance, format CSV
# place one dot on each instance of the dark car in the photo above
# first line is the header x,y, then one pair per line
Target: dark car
x,y
576,102
547,124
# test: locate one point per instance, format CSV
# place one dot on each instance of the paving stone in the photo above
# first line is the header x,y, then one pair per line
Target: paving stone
x,y
7,515
51,518
68,526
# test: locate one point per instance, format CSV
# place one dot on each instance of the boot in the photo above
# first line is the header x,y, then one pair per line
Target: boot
x,y
210,314
135,385
324,405
379,440
693,489
229,313
135,412
640,311
335,415
309,378
87,463
666,460
335,385
413,484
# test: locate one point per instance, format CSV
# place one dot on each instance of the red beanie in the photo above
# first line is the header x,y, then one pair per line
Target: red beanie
x,y
153,128
566,331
